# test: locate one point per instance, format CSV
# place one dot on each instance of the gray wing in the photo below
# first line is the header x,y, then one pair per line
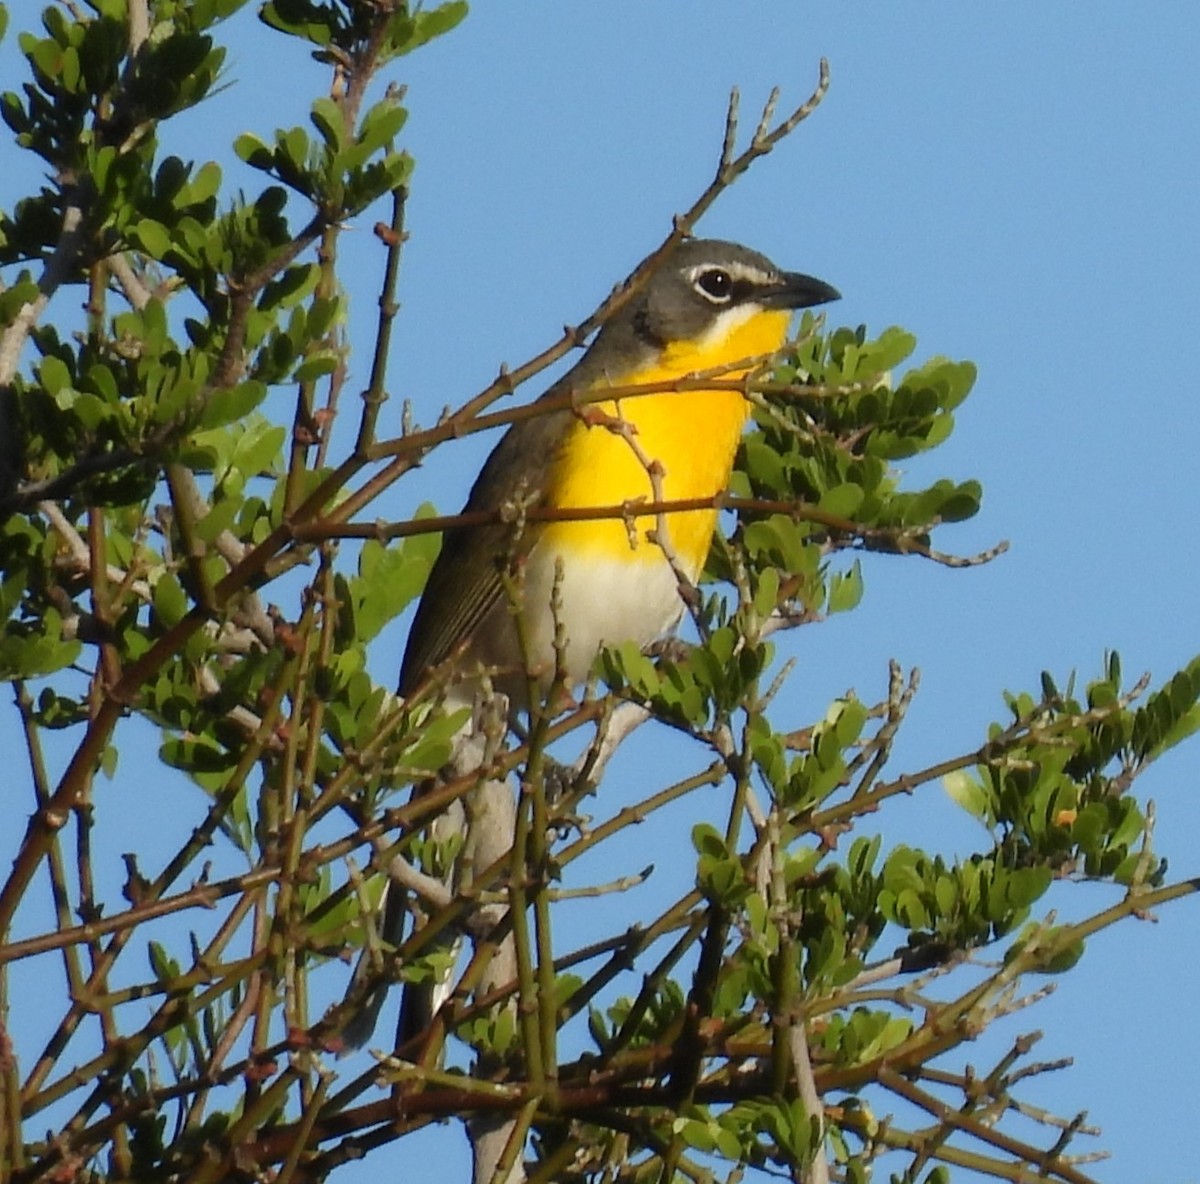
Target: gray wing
x,y
465,583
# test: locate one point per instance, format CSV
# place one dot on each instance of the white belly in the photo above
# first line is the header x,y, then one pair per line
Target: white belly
x,y
602,601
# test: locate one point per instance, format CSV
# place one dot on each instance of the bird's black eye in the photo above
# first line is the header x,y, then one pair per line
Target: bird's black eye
x,y
715,284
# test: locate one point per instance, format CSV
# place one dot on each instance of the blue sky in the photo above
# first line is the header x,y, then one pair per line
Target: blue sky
x,y
1016,184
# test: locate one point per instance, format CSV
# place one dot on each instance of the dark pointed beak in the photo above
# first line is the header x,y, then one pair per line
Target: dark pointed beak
x,y
796,290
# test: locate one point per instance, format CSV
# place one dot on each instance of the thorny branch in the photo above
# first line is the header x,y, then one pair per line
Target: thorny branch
x,y
885,539
650,1059
79,773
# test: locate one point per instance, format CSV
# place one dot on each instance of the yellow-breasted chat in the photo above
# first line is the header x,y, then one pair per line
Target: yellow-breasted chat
x,y
709,305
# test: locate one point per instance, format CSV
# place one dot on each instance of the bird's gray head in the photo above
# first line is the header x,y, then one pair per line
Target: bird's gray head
x,y
705,284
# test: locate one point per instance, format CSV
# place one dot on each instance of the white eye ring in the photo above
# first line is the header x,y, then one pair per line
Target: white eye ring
x,y
714,284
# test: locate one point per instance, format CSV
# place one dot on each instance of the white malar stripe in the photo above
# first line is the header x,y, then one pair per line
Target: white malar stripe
x,y
727,322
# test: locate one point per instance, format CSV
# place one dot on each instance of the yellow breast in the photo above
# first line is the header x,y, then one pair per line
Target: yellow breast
x,y
692,435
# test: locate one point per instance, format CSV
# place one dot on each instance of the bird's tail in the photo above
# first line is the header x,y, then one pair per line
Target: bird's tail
x,y
422,999
394,905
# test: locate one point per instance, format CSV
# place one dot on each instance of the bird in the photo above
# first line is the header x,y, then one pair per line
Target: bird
x,y
710,305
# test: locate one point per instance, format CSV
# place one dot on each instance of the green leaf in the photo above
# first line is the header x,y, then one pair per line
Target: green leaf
x,y
964,790
963,503
326,116
170,600
254,151
151,237
848,717
887,351
220,517
1180,730
13,299
28,654
164,967
203,186
70,70
294,285
1026,885
54,375
411,32
317,363
842,500
1063,959
389,579
709,841
846,589
626,666
292,147
288,16
381,124
231,403
259,446
108,761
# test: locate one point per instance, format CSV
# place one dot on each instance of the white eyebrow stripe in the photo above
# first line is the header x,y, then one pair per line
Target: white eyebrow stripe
x,y
737,270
